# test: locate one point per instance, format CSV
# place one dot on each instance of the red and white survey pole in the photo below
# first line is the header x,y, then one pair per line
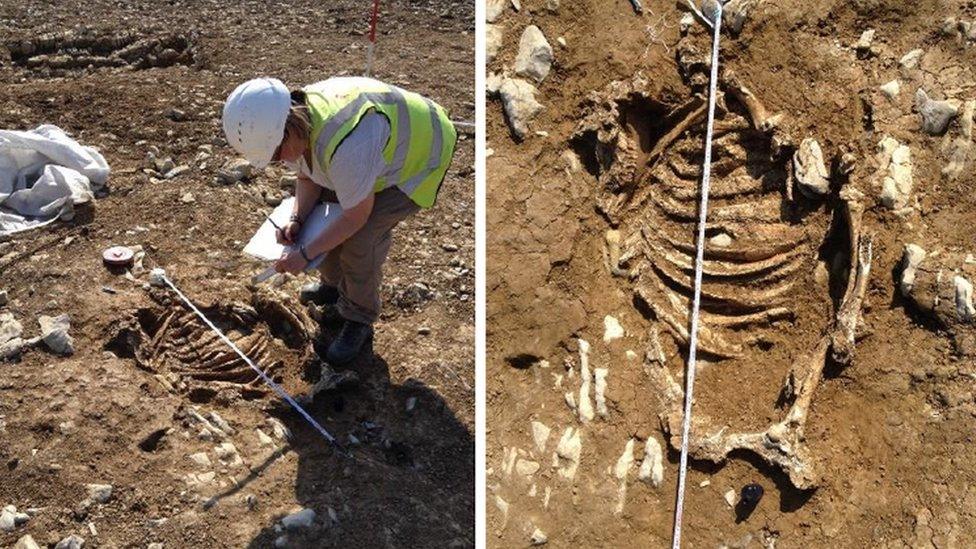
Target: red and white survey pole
x,y
372,37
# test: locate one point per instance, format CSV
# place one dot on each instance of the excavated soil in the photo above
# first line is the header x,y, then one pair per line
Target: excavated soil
x,y
134,77
890,434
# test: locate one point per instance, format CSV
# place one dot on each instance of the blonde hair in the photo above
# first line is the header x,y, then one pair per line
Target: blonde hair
x,y
299,121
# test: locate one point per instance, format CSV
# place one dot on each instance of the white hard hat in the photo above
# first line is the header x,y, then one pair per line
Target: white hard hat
x,y
254,118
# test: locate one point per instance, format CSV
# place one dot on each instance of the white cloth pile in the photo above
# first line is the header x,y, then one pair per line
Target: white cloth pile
x,y
43,174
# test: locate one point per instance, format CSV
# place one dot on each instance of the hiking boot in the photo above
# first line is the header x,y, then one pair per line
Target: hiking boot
x,y
319,294
349,343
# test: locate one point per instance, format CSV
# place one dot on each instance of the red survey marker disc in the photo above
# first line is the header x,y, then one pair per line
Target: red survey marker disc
x,y
117,256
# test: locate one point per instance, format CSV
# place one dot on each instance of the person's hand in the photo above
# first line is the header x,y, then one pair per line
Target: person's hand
x,y
288,233
291,261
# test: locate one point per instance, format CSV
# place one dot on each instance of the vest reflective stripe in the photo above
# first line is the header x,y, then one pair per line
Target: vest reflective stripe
x,y
422,138
434,159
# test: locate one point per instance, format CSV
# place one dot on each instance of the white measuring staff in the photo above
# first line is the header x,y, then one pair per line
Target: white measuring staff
x,y
277,388
699,260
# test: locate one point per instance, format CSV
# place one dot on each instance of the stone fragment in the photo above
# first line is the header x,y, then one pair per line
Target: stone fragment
x,y
891,89
99,493
233,171
534,57
612,329
7,522
526,468
54,333
652,466
863,45
502,507
71,542
518,100
810,170
299,519
26,542
936,115
540,435
569,449
959,150
493,41
494,9
585,405
895,160
964,299
912,257
201,459
910,60
538,537
730,498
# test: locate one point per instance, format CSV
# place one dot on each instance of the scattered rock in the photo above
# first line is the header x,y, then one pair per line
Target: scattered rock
x,y
272,199
652,466
518,100
864,43
964,299
175,115
71,542
201,459
730,497
493,84
187,198
176,172
7,522
911,259
534,57
526,468
299,519
735,14
936,115
164,165
67,428
3,298
233,171
612,329
502,507
910,60
891,89
99,493
264,439
157,277
227,453
960,148
10,332
26,542
540,435
493,41
538,537
895,160
569,449
808,166
721,240
494,9
54,333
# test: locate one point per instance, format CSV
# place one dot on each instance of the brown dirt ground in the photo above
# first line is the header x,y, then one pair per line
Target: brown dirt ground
x,y
421,496
891,434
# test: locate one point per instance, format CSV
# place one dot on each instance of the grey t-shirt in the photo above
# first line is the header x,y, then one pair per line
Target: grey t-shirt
x,y
357,163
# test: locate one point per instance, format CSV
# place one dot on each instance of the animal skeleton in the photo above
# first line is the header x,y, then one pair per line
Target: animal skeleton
x,y
762,245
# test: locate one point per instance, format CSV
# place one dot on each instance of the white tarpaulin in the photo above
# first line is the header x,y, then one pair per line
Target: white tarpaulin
x,y
43,174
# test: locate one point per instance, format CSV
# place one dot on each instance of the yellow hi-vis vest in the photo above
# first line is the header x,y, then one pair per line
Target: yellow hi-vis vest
x,y
422,137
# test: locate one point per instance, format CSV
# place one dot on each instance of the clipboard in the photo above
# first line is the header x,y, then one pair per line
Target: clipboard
x,y
264,246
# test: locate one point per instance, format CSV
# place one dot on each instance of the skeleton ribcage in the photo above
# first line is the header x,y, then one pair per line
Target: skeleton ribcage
x,y
185,344
754,255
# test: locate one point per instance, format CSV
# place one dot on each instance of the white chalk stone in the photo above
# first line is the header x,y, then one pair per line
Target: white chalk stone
x,y
526,468
730,497
652,466
502,507
157,277
584,403
911,258
569,449
493,41
624,463
964,299
518,100
540,435
600,387
538,537
99,493
508,460
910,60
534,57
896,172
891,89
201,459
612,329
810,170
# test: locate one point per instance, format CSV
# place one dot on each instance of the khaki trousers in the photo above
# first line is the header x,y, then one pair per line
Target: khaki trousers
x,y
356,266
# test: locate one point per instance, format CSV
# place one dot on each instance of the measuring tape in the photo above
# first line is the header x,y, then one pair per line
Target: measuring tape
x,y
372,37
699,260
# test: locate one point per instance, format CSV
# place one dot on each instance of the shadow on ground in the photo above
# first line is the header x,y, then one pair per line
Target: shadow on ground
x,y
408,483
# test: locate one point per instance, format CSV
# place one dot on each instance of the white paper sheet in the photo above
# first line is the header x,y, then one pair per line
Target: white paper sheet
x,y
263,244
